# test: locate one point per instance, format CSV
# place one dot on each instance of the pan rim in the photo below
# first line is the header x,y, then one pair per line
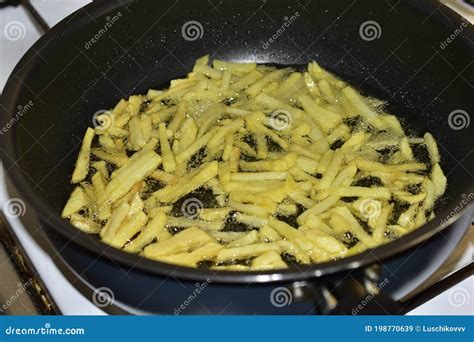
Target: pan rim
x,y
90,244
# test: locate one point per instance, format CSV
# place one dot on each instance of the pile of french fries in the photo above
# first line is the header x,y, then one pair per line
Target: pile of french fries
x,y
312,170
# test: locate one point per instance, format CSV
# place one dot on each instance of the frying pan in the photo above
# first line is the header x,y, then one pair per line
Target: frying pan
x,y
109,50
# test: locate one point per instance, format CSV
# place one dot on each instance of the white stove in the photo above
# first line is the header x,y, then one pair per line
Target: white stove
x,y
17,34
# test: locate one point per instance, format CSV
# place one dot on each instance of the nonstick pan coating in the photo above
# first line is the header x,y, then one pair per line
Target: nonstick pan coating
x,y
108,51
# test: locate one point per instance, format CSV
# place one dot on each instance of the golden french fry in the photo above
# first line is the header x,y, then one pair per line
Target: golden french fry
x,y
238,69
290,234
268,261
128,175
82,164
77,201
156,228
251,147
207,252
128,229
248,239
244,252
184,241
187,184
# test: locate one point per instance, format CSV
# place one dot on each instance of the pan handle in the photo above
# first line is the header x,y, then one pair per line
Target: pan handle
x,y
361,296
357,293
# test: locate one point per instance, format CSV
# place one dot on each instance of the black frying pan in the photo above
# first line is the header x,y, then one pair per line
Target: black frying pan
x,y
107,51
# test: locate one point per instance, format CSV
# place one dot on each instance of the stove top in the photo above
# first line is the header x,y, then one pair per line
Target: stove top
x,y
33,282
